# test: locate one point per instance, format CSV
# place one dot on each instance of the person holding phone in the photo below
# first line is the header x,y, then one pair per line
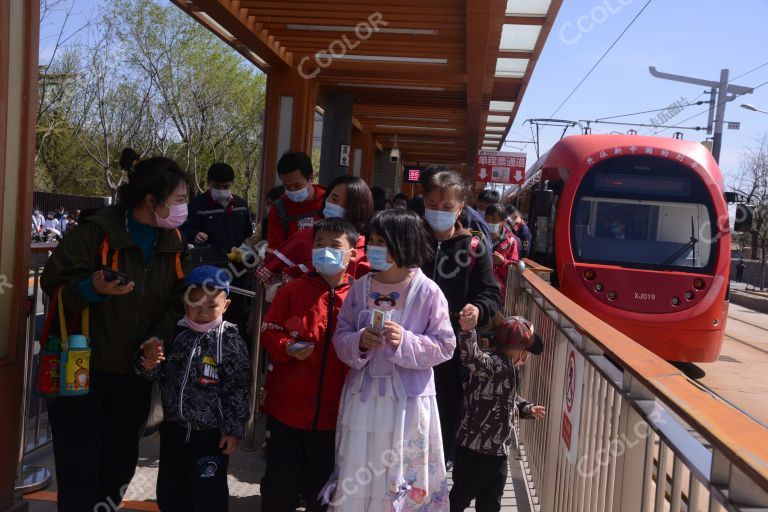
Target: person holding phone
x,y
96,436
304,385
393,329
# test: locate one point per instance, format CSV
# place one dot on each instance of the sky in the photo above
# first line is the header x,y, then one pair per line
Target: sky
x,y
685,37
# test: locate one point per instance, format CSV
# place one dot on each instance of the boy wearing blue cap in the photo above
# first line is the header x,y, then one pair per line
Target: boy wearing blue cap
x,y
204,377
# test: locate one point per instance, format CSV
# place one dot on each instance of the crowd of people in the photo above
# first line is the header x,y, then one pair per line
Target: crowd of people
x,y
379,380
55,224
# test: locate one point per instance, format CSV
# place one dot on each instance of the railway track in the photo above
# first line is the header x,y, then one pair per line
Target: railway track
x,y
748,344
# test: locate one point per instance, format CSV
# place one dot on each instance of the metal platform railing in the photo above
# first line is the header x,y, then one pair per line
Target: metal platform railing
x,y
642,436
34,429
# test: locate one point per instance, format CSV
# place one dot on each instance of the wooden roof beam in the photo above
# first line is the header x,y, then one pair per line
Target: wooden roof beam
x,y
239,23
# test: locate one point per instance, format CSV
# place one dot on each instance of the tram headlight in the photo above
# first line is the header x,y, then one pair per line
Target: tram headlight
x,y
698,283
612,295
675,301
598,287
589,274
689,295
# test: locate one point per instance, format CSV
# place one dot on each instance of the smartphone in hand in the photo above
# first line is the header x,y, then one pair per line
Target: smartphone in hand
x,y
113,275
299,345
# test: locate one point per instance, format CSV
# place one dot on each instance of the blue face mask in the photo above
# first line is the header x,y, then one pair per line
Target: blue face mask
x,y
615,229
334,210
328,261
298,196
440,221
377,257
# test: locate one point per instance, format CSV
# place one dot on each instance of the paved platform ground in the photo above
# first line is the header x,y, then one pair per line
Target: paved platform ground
x,y
245,472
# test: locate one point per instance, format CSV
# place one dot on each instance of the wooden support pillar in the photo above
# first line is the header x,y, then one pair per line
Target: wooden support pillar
x,y
289,119
19,36
363,154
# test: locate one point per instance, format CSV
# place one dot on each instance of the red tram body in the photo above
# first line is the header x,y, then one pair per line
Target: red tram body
x,y
637,231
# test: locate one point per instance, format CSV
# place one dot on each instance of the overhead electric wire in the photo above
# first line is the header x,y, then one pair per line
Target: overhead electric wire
x,y
642,124
648,111
601,58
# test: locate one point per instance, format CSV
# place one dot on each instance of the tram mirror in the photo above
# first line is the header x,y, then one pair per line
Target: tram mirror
x,y
742,223
542,200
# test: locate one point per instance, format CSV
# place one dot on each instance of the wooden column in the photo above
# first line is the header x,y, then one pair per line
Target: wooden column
x,y
19,35
289,119
363,140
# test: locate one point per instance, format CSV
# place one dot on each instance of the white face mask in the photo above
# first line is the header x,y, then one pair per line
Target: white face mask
x,y
494,229
298,196
334,210
221,194
440,221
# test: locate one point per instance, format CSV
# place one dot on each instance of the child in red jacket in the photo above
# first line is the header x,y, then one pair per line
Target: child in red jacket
x,y
306,377
505,244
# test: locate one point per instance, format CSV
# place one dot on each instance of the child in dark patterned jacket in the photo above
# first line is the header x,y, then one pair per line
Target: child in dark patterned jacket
x,y
490,399
204,377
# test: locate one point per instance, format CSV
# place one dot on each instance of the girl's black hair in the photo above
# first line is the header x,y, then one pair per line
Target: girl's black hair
x,y
157,176
405,236
359,205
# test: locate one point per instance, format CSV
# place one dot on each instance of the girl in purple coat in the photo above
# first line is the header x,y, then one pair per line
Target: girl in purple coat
x,y
392,329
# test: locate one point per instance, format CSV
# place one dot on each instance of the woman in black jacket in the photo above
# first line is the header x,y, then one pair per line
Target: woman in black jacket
x,y
462,267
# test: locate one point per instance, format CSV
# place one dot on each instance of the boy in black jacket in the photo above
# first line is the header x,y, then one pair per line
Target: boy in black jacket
x,y
205,381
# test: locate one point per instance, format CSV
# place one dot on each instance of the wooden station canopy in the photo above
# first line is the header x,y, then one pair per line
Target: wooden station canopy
x,y
444,76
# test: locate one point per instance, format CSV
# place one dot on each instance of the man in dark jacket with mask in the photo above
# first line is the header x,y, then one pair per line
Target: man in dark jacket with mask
x,y
218,217
221,219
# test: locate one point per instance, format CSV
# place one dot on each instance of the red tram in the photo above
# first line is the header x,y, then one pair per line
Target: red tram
x,y
637,231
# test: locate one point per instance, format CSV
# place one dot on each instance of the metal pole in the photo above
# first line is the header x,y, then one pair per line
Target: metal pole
x,y
710,121
722,98
29,478
249,443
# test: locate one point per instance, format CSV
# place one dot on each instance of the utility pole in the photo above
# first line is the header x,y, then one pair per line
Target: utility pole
x,y
720,92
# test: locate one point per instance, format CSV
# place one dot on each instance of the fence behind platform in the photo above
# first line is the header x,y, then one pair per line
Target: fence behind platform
x,y
643,437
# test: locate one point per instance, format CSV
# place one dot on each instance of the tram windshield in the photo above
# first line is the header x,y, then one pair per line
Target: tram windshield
x,y
634,217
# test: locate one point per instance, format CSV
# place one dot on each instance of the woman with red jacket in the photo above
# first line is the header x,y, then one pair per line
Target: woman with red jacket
x,y
505,244
305,379
348,197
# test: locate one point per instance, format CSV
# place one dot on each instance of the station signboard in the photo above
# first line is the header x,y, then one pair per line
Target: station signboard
x,y
500,167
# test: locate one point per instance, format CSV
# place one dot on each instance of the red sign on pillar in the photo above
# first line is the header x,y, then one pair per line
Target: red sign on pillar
x,y
500,167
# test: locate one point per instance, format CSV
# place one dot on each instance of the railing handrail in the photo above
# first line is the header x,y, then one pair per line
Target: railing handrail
x,y
43,246
741,439
536,267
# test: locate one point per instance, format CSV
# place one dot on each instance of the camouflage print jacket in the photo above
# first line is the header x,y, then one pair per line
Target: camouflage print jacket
x,y
490,399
